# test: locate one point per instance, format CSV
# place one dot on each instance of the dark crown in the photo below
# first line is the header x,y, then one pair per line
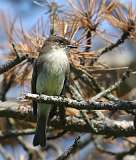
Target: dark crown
x,y
59,40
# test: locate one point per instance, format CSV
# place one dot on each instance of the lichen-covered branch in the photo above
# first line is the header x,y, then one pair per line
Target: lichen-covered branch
x,y
83,105
103,126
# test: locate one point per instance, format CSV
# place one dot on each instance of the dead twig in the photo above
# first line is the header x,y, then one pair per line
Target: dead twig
x,y
71,149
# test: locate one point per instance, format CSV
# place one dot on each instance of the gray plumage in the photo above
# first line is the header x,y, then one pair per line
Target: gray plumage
x,y
49,73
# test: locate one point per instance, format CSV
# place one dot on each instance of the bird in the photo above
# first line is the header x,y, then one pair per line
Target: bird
x,y
49,74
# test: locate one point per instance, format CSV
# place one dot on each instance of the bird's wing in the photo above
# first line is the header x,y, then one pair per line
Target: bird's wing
x,y
62,109
64,86
55,108
33,86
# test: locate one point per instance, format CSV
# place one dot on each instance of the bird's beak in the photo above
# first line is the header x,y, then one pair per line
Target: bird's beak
x,y
72,46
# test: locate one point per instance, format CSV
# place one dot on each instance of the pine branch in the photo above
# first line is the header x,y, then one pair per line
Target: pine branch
x,y
6,67
121,40
103,126
15,133
83,105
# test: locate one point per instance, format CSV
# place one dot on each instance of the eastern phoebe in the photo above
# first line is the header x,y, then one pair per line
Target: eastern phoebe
x,y
49,73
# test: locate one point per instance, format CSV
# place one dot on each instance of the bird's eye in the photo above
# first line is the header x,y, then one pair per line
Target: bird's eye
x,y
60,42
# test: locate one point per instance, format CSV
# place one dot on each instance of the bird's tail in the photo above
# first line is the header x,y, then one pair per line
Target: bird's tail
x,y
42,120
40,134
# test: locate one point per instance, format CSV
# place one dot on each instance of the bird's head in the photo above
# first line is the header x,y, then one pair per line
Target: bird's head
x,y
56,42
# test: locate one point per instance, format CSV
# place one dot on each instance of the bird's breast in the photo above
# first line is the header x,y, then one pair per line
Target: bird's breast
x,y
51,78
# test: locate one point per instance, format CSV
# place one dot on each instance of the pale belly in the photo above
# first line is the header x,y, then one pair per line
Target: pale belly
x,y
50,82
51,79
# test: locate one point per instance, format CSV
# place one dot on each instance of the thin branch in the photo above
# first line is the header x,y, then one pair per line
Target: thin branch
x,y
71,150
83,112
92,82
15,133
104,126
112,87
15,51
5,154
118,155
6,67
23,132
32,153
83,105
60,134
121,155
16,110
54,147
84,141
121,40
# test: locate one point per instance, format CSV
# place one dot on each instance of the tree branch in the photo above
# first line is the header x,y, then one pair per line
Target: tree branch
x,y
112,87
81,104
121,40
15,133
6,67
103,126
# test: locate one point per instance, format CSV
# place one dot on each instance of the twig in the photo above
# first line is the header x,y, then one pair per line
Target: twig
x,y
121,40
6,67
81,104
71,150
6,155
84,141
92,82
55,147
83,113
113,87
14,48
32,153
15,133
82,73
131,151
118,155
57,136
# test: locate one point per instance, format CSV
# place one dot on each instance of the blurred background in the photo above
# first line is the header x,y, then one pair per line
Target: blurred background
x,y
26,14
